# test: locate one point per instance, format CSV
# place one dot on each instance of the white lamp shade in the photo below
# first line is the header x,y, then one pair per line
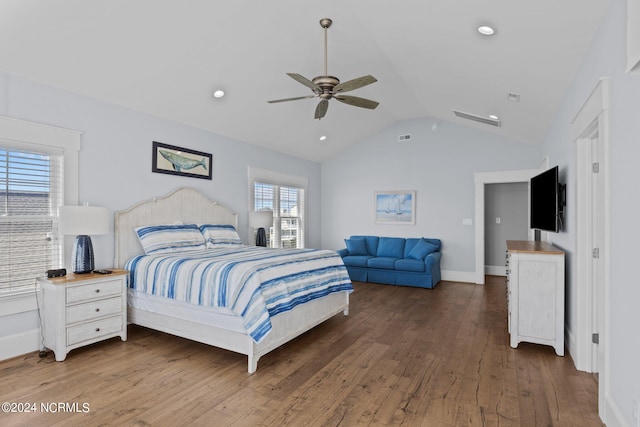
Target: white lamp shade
x,y
260,219
84,220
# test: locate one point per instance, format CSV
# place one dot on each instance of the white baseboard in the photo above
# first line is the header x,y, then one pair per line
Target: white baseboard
x,y
495,270
458,276
613,415
570,342
19,344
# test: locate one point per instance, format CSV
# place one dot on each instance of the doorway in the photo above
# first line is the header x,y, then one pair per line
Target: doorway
x,y
506,218
482,179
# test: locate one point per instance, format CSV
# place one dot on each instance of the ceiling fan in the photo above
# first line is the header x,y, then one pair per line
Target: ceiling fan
x,y
328,87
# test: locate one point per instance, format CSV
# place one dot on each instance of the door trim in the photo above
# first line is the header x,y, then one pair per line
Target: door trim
x,y
591,119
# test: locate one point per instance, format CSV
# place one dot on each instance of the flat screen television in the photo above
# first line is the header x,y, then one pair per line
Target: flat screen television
x,y
546,201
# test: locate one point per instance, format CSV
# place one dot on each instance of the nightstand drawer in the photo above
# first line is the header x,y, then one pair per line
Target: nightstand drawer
x,y
93,330
94,309
93,290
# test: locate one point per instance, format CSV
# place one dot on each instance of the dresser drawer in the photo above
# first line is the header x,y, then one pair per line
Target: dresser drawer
x,y
93,290
94,309
93,330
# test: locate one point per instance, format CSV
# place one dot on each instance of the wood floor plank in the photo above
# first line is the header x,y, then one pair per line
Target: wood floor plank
x,y
404,355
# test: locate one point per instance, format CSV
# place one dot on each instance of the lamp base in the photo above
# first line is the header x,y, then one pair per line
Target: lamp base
x,y
261,237
82,255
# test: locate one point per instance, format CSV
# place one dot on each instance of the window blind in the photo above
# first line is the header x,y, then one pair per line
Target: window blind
x,y
287,204
31,190
291,214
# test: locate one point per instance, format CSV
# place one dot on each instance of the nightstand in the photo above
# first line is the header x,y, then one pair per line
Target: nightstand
x,y
81,309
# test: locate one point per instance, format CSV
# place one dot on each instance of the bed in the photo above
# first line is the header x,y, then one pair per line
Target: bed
x,y
250,315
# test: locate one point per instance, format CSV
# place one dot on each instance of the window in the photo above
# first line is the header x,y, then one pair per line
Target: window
x,y
59,147
30,194
285,196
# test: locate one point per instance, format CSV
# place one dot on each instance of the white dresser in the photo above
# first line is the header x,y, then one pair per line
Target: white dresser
x,y
81,309
535,293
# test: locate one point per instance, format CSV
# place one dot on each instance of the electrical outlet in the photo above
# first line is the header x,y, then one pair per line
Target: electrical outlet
x,y
636,411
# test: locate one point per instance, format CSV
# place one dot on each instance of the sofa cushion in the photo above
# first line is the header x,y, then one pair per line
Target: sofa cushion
x,y
392,247
356,260
387,263
410,265
356,246
421,250
371,242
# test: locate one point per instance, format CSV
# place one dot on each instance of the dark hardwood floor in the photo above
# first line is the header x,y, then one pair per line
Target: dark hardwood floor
x,y
404,356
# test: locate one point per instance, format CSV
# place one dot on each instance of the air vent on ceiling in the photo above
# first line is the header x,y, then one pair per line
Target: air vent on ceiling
x,y
512,96
485,120
402,138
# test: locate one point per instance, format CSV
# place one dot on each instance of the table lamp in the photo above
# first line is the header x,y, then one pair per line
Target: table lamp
x,y
83,221
260,220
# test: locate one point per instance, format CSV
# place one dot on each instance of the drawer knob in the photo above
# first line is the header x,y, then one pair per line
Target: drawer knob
x,y
97,329
97,309
97,291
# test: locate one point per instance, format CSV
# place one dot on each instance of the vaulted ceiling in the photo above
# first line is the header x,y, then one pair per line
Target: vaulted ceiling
x,y
167,57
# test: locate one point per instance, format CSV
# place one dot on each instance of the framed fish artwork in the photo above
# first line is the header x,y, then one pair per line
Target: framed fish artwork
x,y
174,160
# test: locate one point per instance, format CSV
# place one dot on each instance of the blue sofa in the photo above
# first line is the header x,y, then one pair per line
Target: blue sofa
x,y
393,260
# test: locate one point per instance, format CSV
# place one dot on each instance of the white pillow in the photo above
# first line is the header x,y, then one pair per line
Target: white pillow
x,y
220,235
159,239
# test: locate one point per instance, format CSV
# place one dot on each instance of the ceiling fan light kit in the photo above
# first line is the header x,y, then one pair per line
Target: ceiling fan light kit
x,y
328,87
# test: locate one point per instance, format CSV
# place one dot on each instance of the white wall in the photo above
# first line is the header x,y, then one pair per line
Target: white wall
x,y
115,164
607,57
438,164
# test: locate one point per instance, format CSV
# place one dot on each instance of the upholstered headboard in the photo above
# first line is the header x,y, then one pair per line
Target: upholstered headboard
x,y
184,204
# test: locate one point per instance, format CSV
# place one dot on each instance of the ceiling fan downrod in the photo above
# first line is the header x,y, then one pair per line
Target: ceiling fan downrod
x,y
325,23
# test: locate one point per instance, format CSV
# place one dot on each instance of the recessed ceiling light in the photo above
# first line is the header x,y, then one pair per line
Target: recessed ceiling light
x,y
323,137
486,30
218,93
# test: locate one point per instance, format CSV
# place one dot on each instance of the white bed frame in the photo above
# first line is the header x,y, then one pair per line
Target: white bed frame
x,y
190,206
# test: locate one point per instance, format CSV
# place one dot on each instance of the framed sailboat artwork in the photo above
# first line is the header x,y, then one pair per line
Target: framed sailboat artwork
x,y
174,160
395,207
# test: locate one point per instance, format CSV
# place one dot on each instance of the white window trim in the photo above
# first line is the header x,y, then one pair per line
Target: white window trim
x,y
268,176
29,136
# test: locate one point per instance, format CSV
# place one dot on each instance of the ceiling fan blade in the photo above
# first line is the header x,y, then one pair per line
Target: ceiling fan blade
x,y
355,84
290,99
357,102
321,109
305,81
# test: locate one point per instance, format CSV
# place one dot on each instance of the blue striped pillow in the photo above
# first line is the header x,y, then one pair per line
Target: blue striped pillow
x,y
220,235
159,239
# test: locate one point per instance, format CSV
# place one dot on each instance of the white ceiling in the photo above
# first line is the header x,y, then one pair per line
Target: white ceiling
x,y
166,58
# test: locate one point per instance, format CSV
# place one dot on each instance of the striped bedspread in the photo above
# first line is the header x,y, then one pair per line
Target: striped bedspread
x,y
251,282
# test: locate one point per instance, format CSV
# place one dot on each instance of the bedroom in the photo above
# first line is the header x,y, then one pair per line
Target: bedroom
x,y
109,130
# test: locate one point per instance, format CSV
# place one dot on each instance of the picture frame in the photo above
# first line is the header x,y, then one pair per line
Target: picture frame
x,y
395,207
173,160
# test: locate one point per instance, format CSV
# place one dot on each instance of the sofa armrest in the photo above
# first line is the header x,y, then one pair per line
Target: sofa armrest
x,y
432,260
343,252
432,265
